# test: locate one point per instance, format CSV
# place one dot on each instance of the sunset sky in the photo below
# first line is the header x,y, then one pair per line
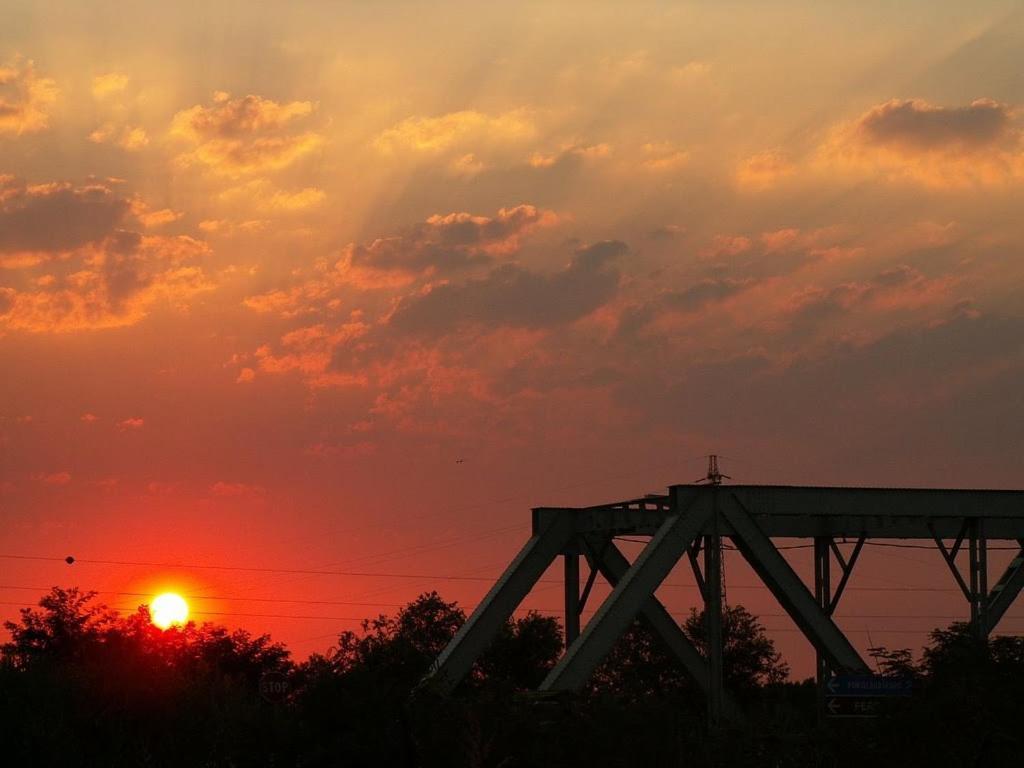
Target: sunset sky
x,y
352,286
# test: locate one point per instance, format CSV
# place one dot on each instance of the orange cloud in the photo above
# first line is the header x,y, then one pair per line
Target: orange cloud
x,y
236,490
764,169
69,267
929,144
663,156
53,478
109,84
267,197
127,137
455,129
25,98
132,423
570,152
309,350
894,289
440,330
110,284
245,135
444,244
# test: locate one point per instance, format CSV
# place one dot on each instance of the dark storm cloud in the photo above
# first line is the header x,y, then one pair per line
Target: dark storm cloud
x,y
703,293
57,216
918,126
917,369
512,296
445,243
688,300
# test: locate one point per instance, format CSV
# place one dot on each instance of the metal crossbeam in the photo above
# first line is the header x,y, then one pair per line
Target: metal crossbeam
x,y
949,555
784,511
789,590
629,595
846,566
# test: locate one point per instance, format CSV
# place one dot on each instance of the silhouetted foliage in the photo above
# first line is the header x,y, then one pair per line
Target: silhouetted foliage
x,y
640,667
80,685
749,658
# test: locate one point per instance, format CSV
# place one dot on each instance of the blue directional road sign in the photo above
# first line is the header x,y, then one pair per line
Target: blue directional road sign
x,y
853,706
868,686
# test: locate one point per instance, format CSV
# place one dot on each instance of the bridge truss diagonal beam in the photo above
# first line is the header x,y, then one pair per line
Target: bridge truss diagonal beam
x,y
658,557
789,589
613,566
476,634
1005,591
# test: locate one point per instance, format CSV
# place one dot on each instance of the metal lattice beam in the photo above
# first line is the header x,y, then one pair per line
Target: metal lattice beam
x,y
494,610
789,589
1005,591
630,594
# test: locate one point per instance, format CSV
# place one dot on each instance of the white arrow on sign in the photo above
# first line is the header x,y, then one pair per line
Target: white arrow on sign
x,y
833,706
831,685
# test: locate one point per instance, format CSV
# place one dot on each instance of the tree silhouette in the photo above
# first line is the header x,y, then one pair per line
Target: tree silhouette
x,y
63,627
80,685
749,657
639,666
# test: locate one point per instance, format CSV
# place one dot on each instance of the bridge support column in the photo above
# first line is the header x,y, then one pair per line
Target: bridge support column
x,y
713,616
978,567
572,597
823,597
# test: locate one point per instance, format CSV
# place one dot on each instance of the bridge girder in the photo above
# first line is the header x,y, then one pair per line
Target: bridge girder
x,y
751,516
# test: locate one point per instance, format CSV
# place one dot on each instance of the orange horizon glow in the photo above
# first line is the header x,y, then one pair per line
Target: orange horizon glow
x,y
305,314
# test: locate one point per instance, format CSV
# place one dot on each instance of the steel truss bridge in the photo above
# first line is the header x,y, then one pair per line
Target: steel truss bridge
x,y
690,522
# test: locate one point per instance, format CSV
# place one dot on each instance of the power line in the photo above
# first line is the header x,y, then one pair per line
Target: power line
x,y
235,598
393,575
543,610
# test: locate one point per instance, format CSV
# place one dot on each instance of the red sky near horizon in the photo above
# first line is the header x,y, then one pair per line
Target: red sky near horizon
x,y
333,287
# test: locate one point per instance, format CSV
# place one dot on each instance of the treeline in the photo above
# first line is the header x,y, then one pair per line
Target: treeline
x,y
81,685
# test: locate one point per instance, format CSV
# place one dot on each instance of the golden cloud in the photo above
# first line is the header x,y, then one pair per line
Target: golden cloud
x,y
455,130
267,197
52,478
570,152
109,84
444,244
764,169
129,138
246,135
25,98
441,244
663,156
109,284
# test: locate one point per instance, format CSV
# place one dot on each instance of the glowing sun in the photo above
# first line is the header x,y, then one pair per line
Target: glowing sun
x,y
168,609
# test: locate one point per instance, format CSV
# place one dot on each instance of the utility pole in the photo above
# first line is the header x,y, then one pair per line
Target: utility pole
x,y
714,585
